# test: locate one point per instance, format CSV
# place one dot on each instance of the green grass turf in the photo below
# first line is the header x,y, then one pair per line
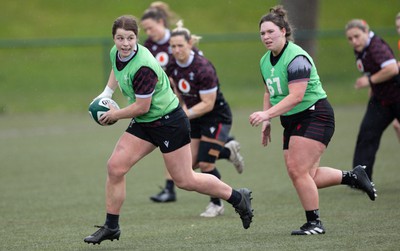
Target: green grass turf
x,y
52,169
52,176
65,57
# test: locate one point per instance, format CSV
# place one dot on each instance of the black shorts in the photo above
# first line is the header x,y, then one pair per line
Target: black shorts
x,y
170,132
317,123
214,130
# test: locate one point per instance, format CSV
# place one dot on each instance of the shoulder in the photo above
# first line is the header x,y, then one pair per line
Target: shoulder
x,y
172,65
113,49
147,43
145,70
199,57
301,60
265,57
204,64
145,53
296,50
378,43
198,51
380,50
142,48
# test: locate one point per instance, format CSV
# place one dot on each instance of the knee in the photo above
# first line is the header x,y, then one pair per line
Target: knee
x,y
115,169
187,184
206,167
293,171
292,174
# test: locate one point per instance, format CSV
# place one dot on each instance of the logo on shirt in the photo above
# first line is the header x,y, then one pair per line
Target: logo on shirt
x,y
162,58
360,65
272,71
184,85
191,76
126,79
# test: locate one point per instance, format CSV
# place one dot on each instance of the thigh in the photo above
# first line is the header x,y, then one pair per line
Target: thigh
x,y
304,154
173,133
376,118
194,146
129,150
396,110
179,164
195,129
317,123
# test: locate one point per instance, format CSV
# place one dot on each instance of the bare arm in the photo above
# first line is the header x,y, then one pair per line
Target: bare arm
x,y
140,107
110,87
204,106
266,126
143,85
295,96
384,74
112,81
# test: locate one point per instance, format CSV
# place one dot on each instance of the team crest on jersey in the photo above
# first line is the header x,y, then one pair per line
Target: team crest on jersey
x,y
184,85
191,76
162,58
360,65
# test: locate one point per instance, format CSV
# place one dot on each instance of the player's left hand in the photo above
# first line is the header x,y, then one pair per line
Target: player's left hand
x,y
361,82
109,117
256,118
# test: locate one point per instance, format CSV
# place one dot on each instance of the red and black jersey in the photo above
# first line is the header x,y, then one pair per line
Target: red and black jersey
x,y
162,52
198,77
373,58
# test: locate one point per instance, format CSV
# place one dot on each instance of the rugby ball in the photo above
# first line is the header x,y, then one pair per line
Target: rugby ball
x,y
99,106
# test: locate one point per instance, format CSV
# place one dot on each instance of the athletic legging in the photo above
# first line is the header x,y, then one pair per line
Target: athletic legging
x,y
376,119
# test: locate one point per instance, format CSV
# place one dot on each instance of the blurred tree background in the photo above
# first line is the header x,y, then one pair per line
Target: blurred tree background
x,y
54,54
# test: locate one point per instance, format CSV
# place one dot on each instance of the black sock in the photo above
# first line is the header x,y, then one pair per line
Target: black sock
x,y
170,185
347,177
235,198
312,215
112,220
225,153
214,172
216,201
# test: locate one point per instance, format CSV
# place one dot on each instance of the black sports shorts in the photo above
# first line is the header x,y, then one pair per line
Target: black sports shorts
x,y
214,130
317,123
170,132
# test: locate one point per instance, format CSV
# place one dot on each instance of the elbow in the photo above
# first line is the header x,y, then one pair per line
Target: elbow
x,y
297,100
397,70
209,108
143,110
394,70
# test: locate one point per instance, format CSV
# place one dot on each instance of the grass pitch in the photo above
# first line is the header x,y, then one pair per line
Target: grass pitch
x,y
52,192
